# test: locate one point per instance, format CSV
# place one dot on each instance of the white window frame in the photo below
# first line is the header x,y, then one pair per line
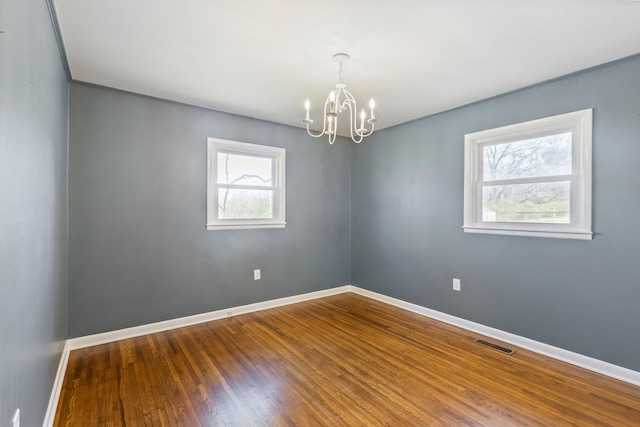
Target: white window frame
x,y
215,146
579,123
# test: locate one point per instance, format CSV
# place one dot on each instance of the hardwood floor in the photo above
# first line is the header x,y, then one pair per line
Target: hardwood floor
x,y
344,360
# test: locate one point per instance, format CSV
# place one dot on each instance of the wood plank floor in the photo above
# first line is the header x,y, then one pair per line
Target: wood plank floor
x,y
344,360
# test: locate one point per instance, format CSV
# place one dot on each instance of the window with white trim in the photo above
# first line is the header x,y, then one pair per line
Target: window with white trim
x,y
245,185
531,178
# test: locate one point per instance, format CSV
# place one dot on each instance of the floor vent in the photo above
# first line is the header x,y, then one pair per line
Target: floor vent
x,y
496,347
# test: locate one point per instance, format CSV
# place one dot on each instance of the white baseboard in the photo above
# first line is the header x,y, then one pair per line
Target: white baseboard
x,y
151,328
595,365
50,416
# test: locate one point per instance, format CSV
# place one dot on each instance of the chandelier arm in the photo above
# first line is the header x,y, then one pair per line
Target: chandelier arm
x,y
313,135
370,132
332,133
324,122
348,99
364,135
353,117
333,114
353,113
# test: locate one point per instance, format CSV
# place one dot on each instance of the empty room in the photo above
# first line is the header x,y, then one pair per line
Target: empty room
x,y
306,213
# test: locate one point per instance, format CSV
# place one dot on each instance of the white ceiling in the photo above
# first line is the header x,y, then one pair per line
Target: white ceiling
x,y
262,58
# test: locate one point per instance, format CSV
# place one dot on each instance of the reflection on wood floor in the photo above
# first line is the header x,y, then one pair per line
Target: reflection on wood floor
x,y
344,360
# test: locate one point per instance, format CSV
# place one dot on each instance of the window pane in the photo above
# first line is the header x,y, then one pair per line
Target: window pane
x,y
545,156
244,170
547,202
245,204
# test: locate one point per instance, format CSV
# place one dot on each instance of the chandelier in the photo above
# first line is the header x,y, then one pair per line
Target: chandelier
x,y
338,101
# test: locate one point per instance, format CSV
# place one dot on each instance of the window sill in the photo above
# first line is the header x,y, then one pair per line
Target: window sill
x,y
211,227
554,234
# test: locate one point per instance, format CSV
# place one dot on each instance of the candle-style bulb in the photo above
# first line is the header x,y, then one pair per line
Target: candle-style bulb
x,y
307,105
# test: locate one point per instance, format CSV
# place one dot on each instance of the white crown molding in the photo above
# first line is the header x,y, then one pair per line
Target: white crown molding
x,y
589,363
55,23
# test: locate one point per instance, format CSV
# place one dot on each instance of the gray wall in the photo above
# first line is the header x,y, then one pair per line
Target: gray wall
x,y
139,250
33,209
583,296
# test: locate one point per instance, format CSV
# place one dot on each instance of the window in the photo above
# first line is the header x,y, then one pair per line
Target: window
x,y
245,185
530,179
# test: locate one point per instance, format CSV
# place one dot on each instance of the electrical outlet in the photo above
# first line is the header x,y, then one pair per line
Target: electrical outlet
x,y
256,274
16,419
456,285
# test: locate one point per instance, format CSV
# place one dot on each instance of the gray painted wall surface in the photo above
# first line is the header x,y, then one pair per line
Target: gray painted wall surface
x,y
33,209
407,240
139,250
